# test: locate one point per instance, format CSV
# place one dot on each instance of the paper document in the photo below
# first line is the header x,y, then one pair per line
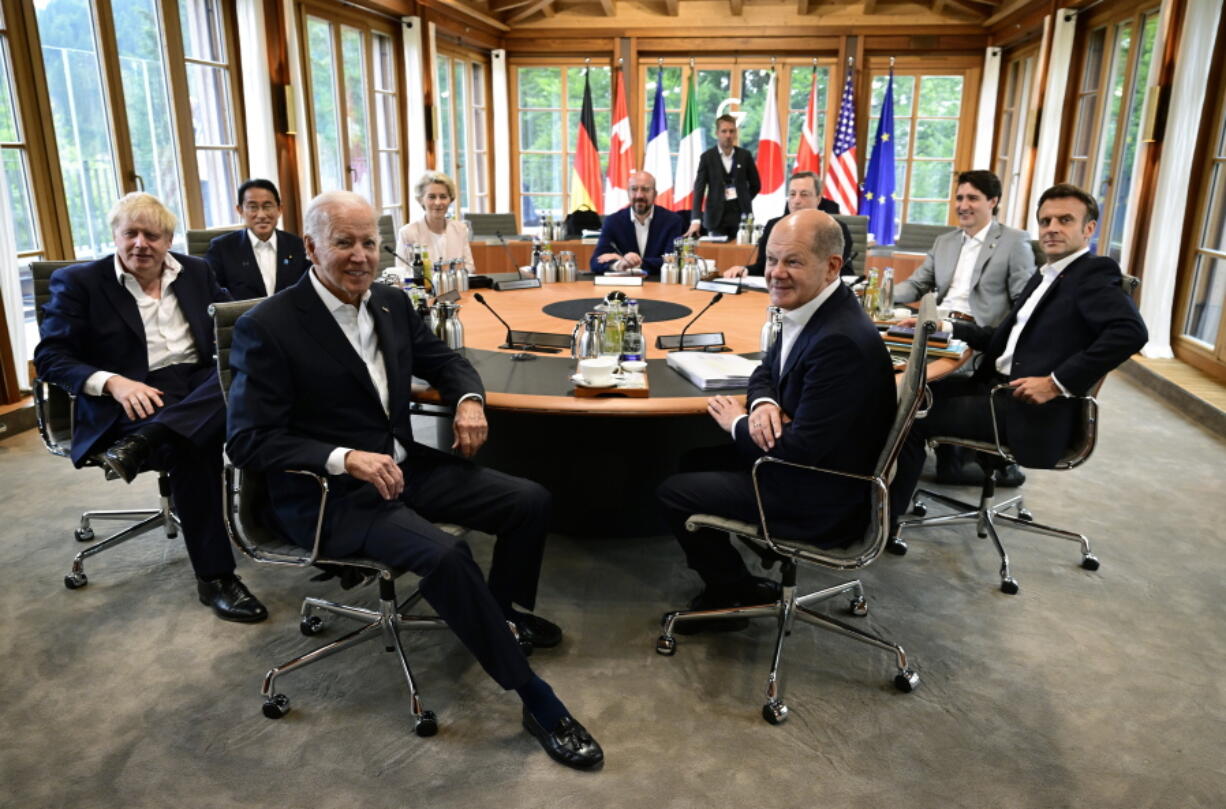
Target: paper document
x,y
752,281
712,371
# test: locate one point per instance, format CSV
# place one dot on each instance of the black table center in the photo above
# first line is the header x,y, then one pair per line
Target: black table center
x,y
652,311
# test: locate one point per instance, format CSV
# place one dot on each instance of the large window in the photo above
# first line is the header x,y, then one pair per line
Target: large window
x,y
1016,117
928,140
550,100
353,108
462,105
1116,62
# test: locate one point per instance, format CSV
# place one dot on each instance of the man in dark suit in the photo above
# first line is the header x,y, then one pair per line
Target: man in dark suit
x,y
635,238
728,180
259,259
824,395
322,376
1070,326
804,193
131,337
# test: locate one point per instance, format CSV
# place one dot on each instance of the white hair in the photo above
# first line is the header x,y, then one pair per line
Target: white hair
x,y
317,221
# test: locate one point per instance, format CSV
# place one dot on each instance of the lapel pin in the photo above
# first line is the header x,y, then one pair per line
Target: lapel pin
x,y
385,309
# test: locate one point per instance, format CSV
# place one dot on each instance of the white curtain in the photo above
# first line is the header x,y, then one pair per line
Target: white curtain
x,y
1183,122
985,126
415,104
502,131
1058,67
257,90
10,285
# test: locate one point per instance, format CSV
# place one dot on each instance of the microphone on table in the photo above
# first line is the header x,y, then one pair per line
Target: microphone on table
x,y
681,343
392,251
510,342
510,258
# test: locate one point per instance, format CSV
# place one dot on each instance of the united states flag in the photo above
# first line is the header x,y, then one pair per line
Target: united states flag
x,y
841,185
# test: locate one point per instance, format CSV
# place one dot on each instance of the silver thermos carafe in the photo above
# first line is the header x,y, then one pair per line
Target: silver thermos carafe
x,y
447,325
771,328
548,271
689,271
588,336
567,271
668,270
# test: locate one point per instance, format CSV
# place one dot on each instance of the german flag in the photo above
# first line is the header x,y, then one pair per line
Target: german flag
x,y
585,181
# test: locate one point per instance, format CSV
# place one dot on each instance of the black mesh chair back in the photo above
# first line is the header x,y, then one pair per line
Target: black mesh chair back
x,y
198,241
916,238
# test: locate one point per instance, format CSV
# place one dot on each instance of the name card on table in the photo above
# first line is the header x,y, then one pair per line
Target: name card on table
x,y
726,287
617,280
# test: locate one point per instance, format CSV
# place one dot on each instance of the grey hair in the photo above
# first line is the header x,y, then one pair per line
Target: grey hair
x,y
431,178
800,175
145,208
317,221
828,241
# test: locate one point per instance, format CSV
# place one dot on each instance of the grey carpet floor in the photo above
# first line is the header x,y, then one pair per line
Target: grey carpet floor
x,y
1099,689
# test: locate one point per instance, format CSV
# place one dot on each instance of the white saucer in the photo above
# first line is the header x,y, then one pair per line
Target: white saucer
x,y
582,382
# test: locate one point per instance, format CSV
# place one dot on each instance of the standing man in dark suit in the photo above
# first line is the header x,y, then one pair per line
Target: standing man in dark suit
x,y
259,259
804,193
824,395
728,179
977,272
321,382
635,238
130,336
1071,325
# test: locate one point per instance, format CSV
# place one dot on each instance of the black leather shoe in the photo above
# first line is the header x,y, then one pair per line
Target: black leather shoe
x,y
126,457
568,743
535,630
231,599
1010,477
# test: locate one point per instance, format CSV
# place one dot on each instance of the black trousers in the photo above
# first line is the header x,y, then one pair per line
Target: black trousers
x,y
445,488
729,218
960,408
195,415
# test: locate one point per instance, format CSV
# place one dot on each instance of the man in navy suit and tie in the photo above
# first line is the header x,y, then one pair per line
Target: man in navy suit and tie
x,y
824,395
130,336
259,259
321,382
636,238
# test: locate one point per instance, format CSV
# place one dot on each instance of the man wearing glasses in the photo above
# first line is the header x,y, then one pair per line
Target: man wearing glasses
x,y
259,259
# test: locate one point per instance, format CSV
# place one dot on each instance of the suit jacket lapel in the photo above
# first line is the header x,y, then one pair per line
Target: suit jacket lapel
x,y
986,251
1000,335
811,329
319,323
120,298
387,345
947,261
286,261
195,310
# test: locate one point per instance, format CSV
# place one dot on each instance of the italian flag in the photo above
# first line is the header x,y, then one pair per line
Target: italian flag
x,y
688,154
770,201
585,185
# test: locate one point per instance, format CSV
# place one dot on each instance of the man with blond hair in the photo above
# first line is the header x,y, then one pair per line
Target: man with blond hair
x,y
321,382
130,336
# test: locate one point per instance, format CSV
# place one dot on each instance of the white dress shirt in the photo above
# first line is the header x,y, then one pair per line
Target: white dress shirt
x,y
168,336
958,298
726,158
1004,363
266,258
641,229
794,322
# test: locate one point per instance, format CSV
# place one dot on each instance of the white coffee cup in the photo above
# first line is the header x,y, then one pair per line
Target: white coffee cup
x,y
598,371
634,366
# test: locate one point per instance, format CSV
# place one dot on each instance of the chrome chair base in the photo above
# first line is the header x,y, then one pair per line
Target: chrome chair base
x,y
986,516
384,623
146,520
786,611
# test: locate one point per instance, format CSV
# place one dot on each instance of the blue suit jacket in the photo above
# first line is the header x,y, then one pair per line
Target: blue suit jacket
x,y
300,390
93,324
617,235
233,261
838,388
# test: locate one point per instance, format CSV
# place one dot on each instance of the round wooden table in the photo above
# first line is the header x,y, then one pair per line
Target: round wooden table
x,y
600,457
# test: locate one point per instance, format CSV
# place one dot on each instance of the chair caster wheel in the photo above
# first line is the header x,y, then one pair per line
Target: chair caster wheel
x,y
775,712
906,681
1009,586
426,725
83,535
1090,562
896,546
276,706
172,533
311,625
919,509
1025,514
858,606
75,581
666,645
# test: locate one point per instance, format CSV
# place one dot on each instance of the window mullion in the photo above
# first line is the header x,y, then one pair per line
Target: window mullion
x,y
180,103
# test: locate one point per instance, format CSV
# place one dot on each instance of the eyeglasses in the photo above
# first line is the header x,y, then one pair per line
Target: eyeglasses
x,y
255,207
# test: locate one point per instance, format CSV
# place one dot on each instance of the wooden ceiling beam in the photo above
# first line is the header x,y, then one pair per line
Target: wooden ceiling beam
x,y
968,6
671,7
1011,8
737,6
527,11
609,9
803,7
870,6
499,6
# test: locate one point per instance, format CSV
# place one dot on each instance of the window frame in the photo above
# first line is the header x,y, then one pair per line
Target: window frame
x,y
1013,150
452,53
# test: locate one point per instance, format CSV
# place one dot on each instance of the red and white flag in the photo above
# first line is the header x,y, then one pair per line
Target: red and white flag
x,y
621,153
771,199
841,184
809,153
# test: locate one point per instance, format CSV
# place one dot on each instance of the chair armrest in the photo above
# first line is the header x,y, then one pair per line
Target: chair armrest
x,y
43,392
1004,452
323,504
236,525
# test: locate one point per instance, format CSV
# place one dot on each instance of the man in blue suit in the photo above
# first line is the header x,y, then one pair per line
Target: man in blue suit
x,y
635,238
130,336
259,259
824,395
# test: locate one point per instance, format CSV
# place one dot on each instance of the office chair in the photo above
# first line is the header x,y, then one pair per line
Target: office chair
x,y
245,498
198,241
993,455
55,410
791,552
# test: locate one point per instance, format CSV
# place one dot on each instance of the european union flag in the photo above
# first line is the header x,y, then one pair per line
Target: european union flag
x,y
878,199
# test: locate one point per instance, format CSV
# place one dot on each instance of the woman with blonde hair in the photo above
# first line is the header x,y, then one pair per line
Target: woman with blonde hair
x,y
444,239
